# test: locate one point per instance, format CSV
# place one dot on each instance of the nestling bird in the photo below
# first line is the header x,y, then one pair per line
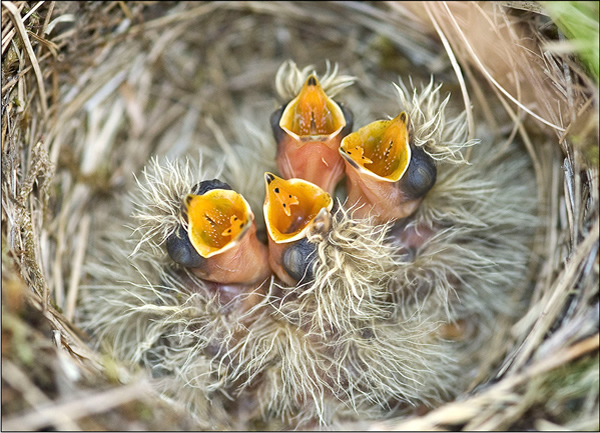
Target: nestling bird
x,y
294,208
308,131
387,176
354,327
219,242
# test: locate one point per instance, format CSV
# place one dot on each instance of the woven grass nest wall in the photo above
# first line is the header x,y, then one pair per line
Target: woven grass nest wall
x,y
111,108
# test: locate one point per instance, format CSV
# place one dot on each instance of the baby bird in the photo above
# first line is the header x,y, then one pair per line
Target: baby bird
x,y
294,208
219,241
387,176
308,131
361,330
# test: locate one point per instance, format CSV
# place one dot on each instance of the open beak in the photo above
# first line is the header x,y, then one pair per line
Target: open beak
x,y
294,209
387,177
308,131
219,242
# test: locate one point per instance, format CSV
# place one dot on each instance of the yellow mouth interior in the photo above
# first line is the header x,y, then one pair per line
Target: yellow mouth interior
x,y
216,219
291,205
381,148
312,112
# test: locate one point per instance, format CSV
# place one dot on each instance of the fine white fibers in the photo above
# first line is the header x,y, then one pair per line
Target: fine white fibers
x,y
159,199
441,137
290,79
368,335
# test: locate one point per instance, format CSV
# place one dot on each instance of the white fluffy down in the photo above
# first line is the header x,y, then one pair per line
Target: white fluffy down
x,y
366,336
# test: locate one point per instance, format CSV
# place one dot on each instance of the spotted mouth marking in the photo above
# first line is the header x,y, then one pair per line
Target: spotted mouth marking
x,y
312,113
291,206
380,149
216,220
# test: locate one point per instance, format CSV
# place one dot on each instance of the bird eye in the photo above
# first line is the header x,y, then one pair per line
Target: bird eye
x,y
298,260
182,251
420,176
278,133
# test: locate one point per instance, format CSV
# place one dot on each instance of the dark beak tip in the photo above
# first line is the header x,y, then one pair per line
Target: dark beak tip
x,y
349,159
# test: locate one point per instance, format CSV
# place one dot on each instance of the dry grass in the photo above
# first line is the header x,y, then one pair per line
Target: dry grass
x,y
90,91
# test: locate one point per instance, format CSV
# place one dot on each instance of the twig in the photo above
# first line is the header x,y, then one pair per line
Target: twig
x,y
28,68
81,406
464,411
555,299
15,377
16,17
48,17
9,31
489,76
180,16
82,236
51,45
457,71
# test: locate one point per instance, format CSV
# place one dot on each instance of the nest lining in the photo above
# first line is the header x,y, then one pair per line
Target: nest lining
x,y
102,139
314,336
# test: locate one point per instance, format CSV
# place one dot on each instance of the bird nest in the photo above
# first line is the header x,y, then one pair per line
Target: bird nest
x,y
112,111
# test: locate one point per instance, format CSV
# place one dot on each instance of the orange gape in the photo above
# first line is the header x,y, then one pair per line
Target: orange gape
x,y
215,220
312,112
311,128
222,231
381,149
291,209
387,178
